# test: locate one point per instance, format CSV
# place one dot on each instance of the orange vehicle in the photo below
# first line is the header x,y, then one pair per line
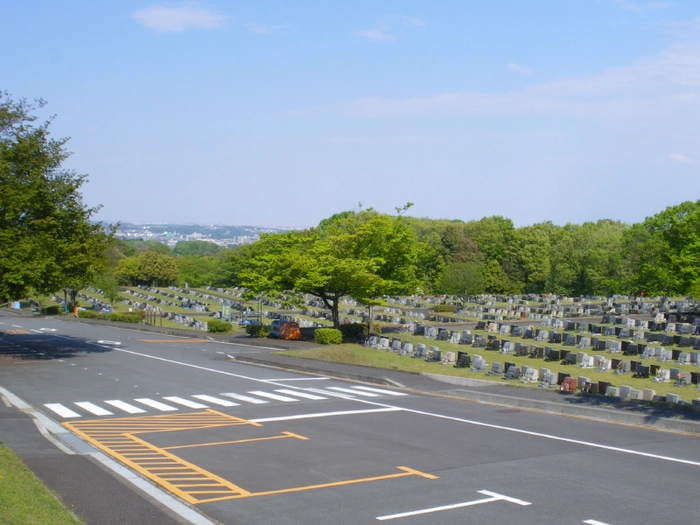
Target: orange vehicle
x,y
284,330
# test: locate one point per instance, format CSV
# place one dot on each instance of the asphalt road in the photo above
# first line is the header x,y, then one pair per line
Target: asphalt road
x,y
155,421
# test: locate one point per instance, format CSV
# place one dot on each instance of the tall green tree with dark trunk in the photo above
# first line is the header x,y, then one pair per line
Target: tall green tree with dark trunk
x,y
359,255
47,241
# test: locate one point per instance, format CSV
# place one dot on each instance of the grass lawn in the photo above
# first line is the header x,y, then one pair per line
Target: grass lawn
x,y
359,355
24,500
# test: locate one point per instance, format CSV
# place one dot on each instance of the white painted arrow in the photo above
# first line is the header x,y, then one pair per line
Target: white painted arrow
x,y
493,497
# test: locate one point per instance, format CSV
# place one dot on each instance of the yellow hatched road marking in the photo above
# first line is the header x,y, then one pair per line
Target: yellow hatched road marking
x,y
118,438
155,458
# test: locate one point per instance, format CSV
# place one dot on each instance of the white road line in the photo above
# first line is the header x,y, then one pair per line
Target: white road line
x,y
185,402
429,414
37,331
299,394
16,326
156,404
300,379
329,393
350,391
493,497
595,522
47,329
93,409
247,399
216,400
270,395
536,434
61,410
325,414
380,391
126,407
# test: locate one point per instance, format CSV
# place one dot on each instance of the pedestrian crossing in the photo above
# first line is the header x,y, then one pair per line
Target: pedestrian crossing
x,y
142,405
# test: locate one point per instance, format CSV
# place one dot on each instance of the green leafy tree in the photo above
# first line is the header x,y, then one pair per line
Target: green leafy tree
x,y
127,271
108,284
198,271
47,241
464,278
360,255
201,248
156,269
149,246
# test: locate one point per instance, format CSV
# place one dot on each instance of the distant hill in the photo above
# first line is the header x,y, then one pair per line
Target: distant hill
x,y
171,234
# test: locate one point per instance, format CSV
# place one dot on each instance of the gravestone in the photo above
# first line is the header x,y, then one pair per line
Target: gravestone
x,y
673,398
496,369
611,391
648,394
463,360
421,350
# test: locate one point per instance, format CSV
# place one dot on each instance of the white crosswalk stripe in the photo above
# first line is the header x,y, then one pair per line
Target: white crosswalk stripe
x,y
253,397
61,410
216,400
126,407
381,391
185,402
328,393
247,399
269,395
94,409
355,392
156,404
300,394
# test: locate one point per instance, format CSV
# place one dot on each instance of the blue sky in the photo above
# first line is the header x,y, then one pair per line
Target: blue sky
x,y
283,113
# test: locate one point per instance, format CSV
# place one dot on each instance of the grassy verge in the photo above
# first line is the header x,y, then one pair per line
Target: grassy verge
x,y
24,500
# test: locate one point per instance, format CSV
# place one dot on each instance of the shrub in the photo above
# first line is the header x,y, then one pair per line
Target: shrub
x,y
257,330
354,332
328,336
124,318
221,327
443,308
50,310
91,314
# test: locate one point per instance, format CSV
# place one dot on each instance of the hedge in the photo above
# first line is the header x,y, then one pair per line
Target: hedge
x,y
217,326
353,332
257,330
328,336
442,308
50,310
113,317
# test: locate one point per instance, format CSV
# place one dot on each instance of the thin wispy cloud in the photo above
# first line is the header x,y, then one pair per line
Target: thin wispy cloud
x,y
262,29
378,34
665,86
516,68
162,19
385,31
677,157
